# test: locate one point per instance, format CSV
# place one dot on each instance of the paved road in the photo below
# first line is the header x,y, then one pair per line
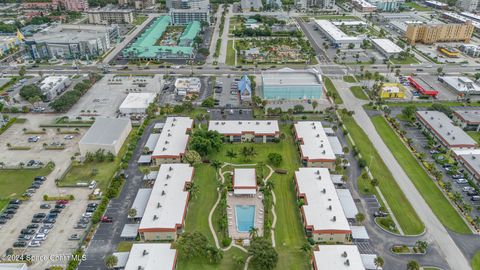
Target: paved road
x,y
216,32
127,39
223,51
435,230
107,236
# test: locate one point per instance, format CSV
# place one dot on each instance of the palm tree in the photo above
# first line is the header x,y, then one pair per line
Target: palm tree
x,y
378,261
248,152
132,212
307,248
193,189
111,261
413,265
216,165
253,232
314,104
231,154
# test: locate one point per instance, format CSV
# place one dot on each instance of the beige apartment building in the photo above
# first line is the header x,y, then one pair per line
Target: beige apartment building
x,y
108,15
431,33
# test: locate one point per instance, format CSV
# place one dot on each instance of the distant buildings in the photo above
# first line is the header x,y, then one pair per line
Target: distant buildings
x,y
392,90
138,4
52,86
136,103
461,85
448,51
289,84
109,15
9,43
386,47
261,131
186,4
186,16
470,49
432,33
314,145
363,6
106,134
468,5
188,86
315,4
337,37
71,5
436,4
248,5
387,5
77,41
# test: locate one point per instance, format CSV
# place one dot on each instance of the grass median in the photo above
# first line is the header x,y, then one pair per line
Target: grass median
x,y
401,207
439,204
332,90
357,91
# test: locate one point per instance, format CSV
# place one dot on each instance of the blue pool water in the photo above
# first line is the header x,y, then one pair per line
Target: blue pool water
x,y
245,215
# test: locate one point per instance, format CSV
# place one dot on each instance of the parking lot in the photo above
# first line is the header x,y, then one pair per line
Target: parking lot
x,y
228,94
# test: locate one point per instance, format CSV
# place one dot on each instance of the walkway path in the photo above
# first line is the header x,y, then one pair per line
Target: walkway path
x,y
274,201
216,32
222,58
435,229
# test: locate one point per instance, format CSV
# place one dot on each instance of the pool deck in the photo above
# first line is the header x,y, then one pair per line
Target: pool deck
x,y
233,201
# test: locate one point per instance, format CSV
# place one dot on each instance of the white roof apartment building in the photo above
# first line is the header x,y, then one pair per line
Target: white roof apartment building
x,y
244,181
166,209
337,257
336,36
249,130
155,256
322,212
172,144
386,47
443,129
136,103
315,148
106,134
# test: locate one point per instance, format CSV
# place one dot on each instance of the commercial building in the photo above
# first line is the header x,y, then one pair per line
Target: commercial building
x,y
322,213
364,6
350,23
432,33
315,149
186,16
472,164
315,4
72,41
444,131
392,90
455,17
471,16
186,4
247,131
463,86
337,257
110,14
137,103
470,50
467,119
386,47
468,5
337,37
106,134
9,43
52,86
436,4
387,5
138,4
449,51
164,216
248,5
155,256
145,46
71,5
244,181
289,84
188,86
422,87
172,144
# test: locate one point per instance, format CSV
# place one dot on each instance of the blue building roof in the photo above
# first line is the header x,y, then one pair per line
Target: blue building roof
x,y
245,86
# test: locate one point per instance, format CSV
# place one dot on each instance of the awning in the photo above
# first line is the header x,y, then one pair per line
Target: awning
x,y
141,200
369,261
348,204
130,231
245,191
359,233
145,159
122,258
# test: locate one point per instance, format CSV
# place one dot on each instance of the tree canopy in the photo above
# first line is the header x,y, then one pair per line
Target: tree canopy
x,y
30,91
264,256
205,141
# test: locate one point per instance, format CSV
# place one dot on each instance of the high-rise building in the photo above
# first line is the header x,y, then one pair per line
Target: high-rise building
x,y
185,4
110,14
186,16
431,33
320,4
138,4
467,5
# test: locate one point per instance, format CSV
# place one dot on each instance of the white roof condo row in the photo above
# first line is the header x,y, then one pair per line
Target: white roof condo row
x,y
259,127
335,33
315,146
323,212
157,256
442,126
337,257
167,205
174,138
244,181
387,45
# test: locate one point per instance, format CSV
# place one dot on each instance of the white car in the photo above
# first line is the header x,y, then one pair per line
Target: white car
x,y
467,189
461,181
88,214
68,137
40,237
35,244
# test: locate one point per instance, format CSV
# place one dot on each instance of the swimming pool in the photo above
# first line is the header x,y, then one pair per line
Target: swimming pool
x,y
245,215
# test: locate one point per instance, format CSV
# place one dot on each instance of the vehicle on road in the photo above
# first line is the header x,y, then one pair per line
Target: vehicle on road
x,y
106,219
380,214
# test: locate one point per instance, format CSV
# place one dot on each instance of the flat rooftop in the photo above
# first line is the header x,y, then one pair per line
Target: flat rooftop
x,y
334,257
436,3
167,205
461,84
137,101
155,256
387,45
442,126
287,76
315,144
259,127
468,116
334,32
472,161
70,33
105,131
323,210
461,18
365,4
173,138
349,23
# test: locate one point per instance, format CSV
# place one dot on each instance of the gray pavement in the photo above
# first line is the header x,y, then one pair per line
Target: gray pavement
x,y
215,35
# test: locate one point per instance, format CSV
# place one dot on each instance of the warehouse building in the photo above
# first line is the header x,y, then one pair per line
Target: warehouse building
x,y
164,216
52,86
136,103
289,84
386,47
107,134
244,181
322,213
463,86
155,256
315,149
172,144
467,119
247,131
337,37
444,131
110,14
186,16
338,257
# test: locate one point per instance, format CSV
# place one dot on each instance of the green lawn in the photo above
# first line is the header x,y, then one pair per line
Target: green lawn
x,y
139,19
424,184
124,246
331,88
349,79
397,201
358,92
230,54
417,6
15,182
476,261
406,61
3,203
336,17
475,135
202,264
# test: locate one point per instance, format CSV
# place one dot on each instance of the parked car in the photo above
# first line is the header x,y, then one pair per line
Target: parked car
x,y
80,226
33,139
37,220
33,226
6,216
90,210
35,244
3,220
106,219
59,206
10,211
49,220
461,181
55,211
44,231
20,244
457,176
92,205
15,202
86,214
472,193
13,206
62,202
40,178
27,231
468,188
74,237
475,198
47,226
45,206
380,214
68,137
40,237
24,237
39,215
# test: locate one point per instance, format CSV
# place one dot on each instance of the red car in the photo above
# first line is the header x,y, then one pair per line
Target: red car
x,y
106,219
62,202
